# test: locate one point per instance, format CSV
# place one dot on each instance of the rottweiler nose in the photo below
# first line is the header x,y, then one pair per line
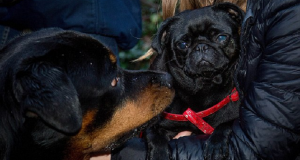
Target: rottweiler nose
x,y
202,47
164,79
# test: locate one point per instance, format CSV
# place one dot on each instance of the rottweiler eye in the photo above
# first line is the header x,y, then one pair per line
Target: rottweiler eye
x,y
222,38
115,81
182,45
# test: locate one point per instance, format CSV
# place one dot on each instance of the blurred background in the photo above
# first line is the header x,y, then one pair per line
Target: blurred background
x,y
151,17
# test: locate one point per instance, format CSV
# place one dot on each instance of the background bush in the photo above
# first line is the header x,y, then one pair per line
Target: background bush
x,y
151,18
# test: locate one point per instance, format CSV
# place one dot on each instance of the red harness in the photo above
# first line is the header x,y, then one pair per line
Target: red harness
x,y
196,118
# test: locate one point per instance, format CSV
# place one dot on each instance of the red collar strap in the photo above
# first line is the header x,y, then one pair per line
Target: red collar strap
x,y
196,118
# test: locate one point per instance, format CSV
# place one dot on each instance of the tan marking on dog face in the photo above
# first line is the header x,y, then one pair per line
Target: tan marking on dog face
x,y
131,114
112,57
82,140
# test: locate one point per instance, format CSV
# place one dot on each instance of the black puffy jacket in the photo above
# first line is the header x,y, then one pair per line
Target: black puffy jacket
x,y
269,78
269,81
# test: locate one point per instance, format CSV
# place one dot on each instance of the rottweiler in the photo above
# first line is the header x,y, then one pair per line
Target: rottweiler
x,y
63,97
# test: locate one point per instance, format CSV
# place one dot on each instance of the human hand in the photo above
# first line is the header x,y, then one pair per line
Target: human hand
x,y
106,156
182,134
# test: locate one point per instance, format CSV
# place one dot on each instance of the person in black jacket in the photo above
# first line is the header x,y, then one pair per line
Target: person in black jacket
x,y
116,23
268,78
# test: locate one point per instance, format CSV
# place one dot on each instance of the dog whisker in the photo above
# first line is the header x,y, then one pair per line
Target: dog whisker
x,y
169,61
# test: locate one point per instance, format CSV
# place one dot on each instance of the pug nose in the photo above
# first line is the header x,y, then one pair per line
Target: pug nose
x,y
202,47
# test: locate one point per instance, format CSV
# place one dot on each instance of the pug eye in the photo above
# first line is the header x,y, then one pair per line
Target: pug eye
x,y
182,45
221,38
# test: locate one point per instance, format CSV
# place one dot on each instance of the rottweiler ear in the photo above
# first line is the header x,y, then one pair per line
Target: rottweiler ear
x,y
43,89
236,13
162,35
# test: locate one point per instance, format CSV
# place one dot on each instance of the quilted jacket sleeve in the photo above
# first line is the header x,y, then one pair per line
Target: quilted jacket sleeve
x,y
269,123
115,19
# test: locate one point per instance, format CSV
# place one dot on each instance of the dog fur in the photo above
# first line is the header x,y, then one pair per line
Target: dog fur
x,y
64,97
202,67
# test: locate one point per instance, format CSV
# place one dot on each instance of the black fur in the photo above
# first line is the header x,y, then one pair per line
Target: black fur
x,y
60,89
192,48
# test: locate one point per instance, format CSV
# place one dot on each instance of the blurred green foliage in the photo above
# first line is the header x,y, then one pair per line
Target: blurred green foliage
x,y
151,17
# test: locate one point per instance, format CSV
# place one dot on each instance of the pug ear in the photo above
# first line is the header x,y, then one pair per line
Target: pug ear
x,y
162,35
236,13
43,89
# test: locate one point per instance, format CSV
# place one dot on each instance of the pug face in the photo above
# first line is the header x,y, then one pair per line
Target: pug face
x,y
200,47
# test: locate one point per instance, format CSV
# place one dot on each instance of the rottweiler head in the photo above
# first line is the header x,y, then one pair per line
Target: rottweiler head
x,y
63,97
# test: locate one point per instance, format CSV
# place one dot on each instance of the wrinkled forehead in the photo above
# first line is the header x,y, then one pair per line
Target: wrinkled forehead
x,y
201,22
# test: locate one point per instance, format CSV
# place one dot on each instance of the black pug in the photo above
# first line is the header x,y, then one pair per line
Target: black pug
x,y
199,48
64,97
